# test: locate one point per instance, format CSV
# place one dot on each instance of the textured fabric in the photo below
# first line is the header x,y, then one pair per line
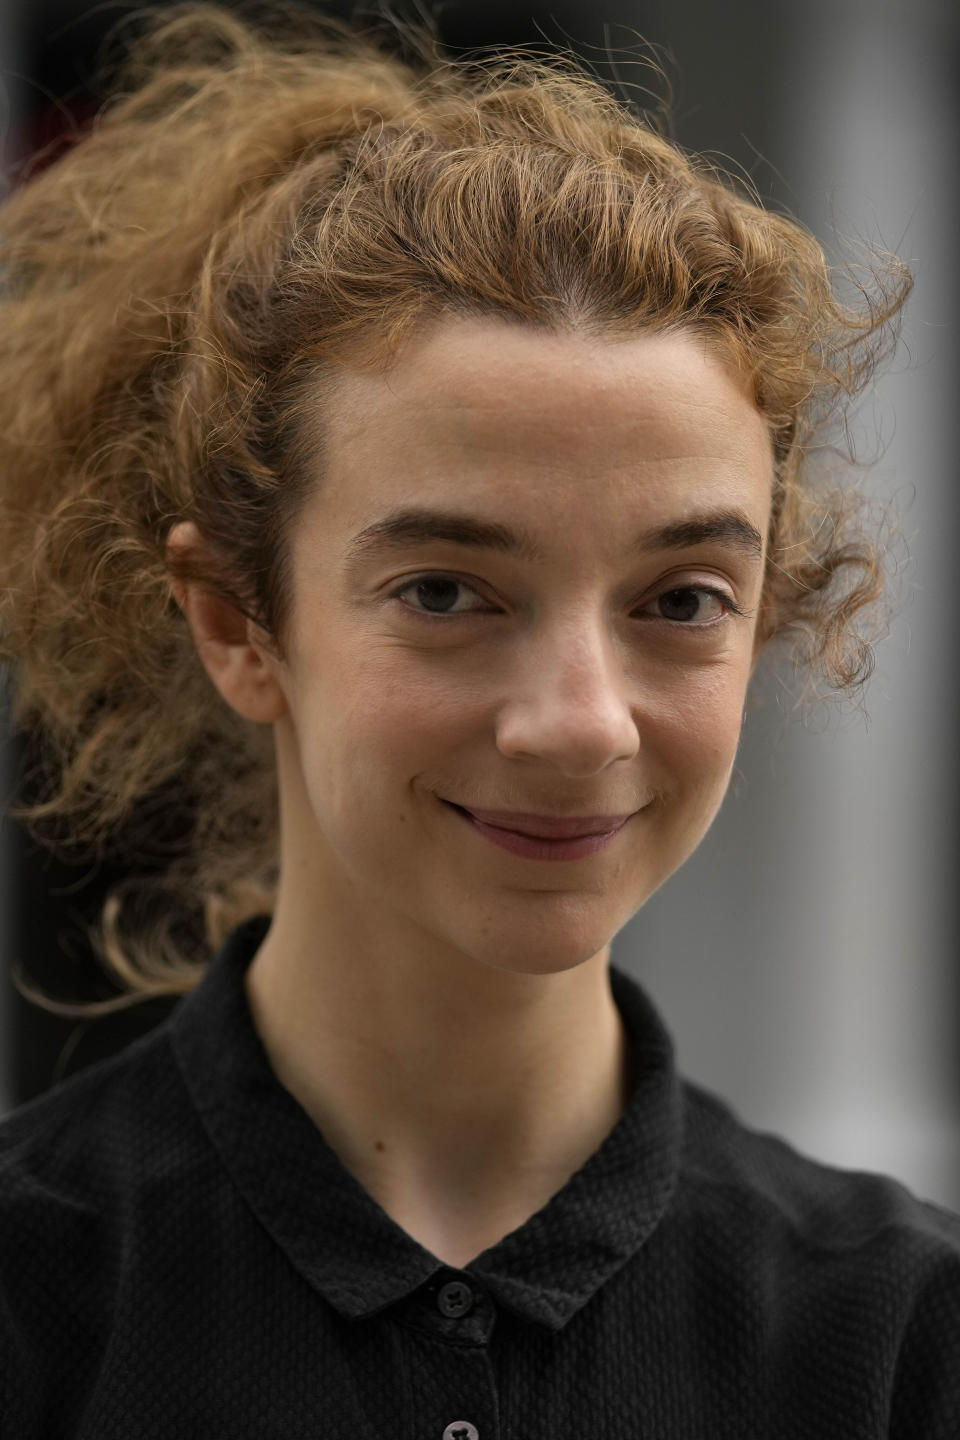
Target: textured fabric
x,y
183,1255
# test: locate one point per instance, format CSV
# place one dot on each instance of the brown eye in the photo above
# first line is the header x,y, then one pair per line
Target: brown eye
x,y
434,596
685,605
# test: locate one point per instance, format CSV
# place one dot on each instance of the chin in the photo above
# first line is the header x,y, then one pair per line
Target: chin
x,y
546,964
537,949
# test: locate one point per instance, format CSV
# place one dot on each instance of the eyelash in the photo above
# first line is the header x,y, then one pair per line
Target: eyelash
x,y
411,582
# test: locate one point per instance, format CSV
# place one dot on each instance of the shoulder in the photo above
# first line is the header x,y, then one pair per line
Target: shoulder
x,y
845,1266
80,1166
847,1280
736,1168
89,1125
72,1159
850,1275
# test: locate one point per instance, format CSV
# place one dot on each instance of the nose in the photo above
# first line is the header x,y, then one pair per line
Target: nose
x,y
569,703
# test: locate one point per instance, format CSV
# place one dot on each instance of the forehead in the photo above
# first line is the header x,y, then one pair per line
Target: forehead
x,y
482,403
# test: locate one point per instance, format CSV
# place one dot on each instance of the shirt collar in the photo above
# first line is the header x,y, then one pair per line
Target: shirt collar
x,y
343,1242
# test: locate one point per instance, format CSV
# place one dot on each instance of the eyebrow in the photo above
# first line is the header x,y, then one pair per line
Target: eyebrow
x,y
404,528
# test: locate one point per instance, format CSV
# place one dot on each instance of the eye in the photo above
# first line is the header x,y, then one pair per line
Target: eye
x,y
430,590
687,605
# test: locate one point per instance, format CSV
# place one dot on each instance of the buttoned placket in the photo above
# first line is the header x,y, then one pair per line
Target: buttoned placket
x,y
451,1378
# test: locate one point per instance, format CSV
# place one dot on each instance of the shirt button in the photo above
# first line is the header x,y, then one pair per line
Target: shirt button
x,y
454,1300
461,1430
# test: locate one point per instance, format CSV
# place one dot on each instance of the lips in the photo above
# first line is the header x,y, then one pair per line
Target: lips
x,y
547,827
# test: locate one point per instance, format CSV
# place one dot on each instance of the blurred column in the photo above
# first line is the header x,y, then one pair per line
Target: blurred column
x,y
873,108
806,957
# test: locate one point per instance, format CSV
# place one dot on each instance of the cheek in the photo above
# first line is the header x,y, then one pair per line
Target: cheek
x,y
401,709
382,725
705,712
700,724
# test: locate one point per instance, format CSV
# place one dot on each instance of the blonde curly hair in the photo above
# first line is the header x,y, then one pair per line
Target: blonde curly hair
x,y
256,206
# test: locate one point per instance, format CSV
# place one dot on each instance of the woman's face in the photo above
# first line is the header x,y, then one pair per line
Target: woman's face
x,y
514,591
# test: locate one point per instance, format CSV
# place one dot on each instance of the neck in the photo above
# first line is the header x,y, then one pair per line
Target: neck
x,y
445,1087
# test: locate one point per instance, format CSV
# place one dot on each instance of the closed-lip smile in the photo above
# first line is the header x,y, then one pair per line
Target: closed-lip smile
x,y
548,827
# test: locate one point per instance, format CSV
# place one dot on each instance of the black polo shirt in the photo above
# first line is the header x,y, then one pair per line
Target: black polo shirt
x,y
183,1255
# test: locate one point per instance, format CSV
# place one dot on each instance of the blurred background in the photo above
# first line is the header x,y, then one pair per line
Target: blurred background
x,y
806,958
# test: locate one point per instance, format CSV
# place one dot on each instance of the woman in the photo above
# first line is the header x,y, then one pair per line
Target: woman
x,y
415,460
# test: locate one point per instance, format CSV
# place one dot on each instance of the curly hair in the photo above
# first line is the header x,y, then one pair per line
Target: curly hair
x,y
255,207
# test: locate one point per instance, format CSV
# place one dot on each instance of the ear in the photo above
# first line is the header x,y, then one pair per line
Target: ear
x,y
236,660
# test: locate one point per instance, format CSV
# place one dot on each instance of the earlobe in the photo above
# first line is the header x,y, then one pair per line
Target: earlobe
x,y
240,669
